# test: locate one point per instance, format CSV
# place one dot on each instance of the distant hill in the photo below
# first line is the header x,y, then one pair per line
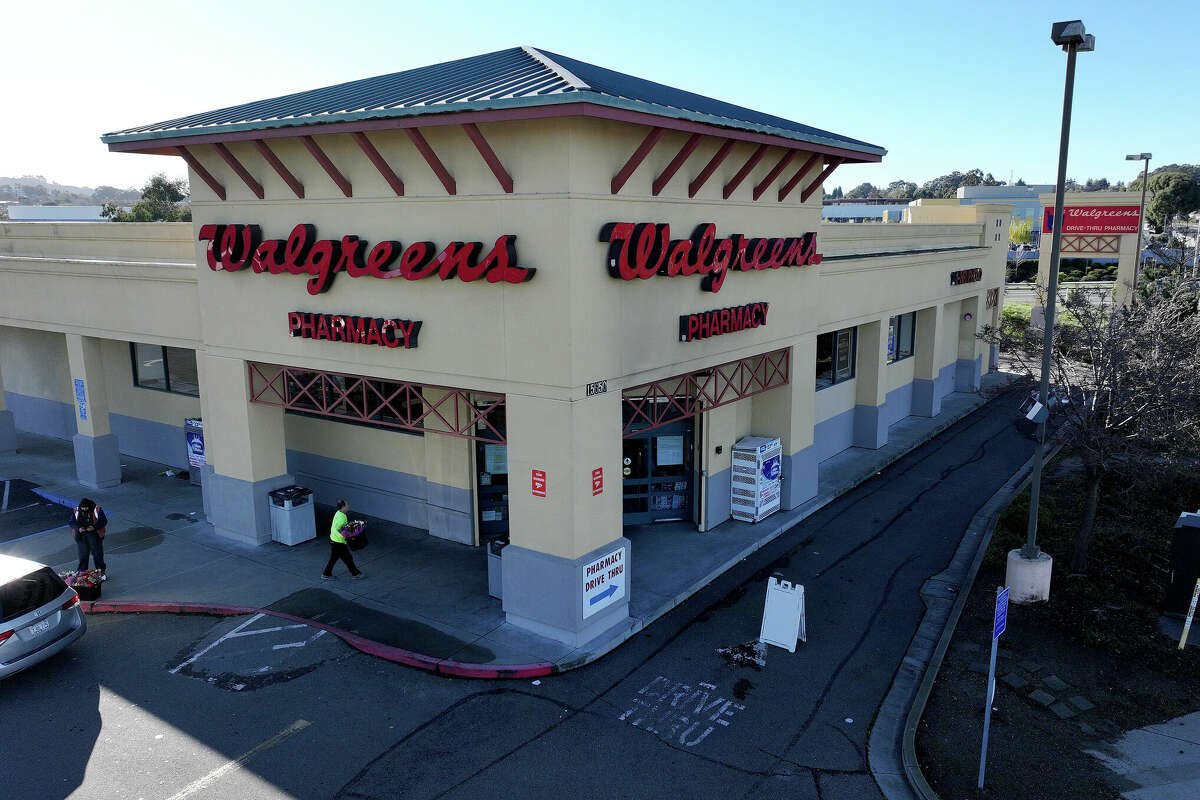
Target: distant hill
x,y
36,190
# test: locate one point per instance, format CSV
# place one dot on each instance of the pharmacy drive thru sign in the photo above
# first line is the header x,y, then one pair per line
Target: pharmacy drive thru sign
x,y
603,581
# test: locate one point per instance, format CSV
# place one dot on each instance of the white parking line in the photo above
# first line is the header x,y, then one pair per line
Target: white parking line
x,y
265,630
234,632
318,635
219,772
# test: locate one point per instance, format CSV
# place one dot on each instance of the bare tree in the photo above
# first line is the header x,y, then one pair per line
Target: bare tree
x,y
1127,386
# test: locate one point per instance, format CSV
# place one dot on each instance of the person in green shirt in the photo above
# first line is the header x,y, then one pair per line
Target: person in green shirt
x,y
337,544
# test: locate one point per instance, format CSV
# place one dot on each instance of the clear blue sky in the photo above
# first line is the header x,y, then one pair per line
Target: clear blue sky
x,y
942,85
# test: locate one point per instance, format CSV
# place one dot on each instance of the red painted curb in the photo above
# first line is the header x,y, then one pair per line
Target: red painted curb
x,y
387,652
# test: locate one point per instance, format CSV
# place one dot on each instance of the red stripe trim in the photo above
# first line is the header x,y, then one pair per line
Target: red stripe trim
x,y
432,160
784,160
786,189
332,171
710,168
751,162
489,156
283,172
638,156
665,177
199,169
825,173
385,169
237,167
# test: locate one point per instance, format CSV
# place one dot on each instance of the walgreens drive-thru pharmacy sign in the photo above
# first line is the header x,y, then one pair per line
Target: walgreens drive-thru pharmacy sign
x,y
1094,219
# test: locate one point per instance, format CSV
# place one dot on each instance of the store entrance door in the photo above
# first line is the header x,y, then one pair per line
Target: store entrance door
x,y
491,473
657,473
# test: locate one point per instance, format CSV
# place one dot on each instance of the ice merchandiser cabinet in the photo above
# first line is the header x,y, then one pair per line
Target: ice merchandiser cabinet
x,y
757,469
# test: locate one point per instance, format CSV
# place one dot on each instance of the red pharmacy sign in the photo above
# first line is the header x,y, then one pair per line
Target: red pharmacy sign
x,y
539,483
356,330
1095,219
235,247
597,481
724,320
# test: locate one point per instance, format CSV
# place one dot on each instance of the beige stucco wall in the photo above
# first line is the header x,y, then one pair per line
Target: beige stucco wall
x,y
35,364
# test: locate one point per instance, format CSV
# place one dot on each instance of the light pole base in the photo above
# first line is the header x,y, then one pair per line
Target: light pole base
x,y
1028,579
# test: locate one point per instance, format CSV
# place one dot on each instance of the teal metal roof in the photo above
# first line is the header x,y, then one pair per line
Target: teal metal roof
x,y
513,78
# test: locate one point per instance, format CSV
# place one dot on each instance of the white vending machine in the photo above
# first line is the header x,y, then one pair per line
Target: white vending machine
x,y
757,468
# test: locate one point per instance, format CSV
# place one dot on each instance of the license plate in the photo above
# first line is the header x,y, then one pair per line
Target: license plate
x,y
39,628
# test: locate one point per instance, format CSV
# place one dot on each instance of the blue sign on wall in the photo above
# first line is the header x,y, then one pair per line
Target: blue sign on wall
x,y
81,398
771,468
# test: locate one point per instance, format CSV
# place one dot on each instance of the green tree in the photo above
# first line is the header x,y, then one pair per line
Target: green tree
x,y
163,200
836,194
1020,182
1174,193
863,190
900,189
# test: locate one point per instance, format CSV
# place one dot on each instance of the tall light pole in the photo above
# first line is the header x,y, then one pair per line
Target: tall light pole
x,y
1072,37
1137,254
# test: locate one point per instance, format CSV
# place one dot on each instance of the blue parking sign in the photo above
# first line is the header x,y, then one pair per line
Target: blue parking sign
x,y
1000,621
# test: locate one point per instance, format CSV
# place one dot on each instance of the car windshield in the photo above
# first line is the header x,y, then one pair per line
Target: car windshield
x,y
28,592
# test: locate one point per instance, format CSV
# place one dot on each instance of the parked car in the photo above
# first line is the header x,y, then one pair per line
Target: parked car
x,y
39,614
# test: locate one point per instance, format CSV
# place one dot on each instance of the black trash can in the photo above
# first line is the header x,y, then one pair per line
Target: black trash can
x,y
1185,563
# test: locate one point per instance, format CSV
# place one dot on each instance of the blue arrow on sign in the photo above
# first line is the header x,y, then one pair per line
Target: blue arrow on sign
x,y
611,590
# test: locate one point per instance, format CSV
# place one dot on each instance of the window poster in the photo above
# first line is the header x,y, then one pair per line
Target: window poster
x,y
669,450
495,458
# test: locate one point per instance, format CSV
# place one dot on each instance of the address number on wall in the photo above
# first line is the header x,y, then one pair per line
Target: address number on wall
x,y
599,387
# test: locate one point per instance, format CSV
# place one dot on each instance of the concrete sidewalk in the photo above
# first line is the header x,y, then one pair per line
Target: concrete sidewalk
x,y
425,600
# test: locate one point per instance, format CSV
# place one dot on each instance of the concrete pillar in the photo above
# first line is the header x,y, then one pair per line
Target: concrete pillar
x,y
870,391
788,412
245,448
8,430
969,365
1127,268
97,454
560,529
931,378
448,472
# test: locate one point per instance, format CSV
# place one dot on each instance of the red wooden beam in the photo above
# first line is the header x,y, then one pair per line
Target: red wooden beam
x,y
753,160
489,156
384,168
688,148
237,167
825,173
327,165
638,156
710,168
786,189
199,169
432,160
784,160
283,172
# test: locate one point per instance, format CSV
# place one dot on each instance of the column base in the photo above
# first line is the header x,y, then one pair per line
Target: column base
x,y
238,509
8,434
926,400
449,513
870,426
967,373
799,478
1028,580
97,460
548,595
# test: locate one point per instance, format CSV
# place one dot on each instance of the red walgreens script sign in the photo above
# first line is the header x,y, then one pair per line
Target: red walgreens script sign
x,y
1095,219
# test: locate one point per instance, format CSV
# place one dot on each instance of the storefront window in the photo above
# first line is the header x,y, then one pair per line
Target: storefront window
x,y
167,369
900,336
835,356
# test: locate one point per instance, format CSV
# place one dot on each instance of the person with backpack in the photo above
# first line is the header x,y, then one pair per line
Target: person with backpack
x,y
338,548
88,522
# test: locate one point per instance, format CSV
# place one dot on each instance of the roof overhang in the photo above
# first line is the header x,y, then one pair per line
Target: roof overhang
x,y
569,104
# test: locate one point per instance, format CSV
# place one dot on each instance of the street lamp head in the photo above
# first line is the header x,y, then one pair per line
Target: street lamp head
x,y
1070,33
1138,157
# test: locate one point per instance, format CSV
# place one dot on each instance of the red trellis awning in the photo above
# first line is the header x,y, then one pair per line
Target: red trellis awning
x,y
379,401
662,402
